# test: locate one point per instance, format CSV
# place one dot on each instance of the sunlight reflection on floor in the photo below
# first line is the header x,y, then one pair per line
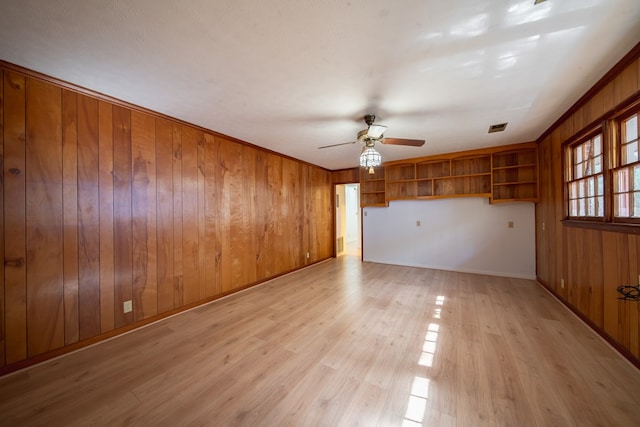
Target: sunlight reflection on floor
x,y
417,404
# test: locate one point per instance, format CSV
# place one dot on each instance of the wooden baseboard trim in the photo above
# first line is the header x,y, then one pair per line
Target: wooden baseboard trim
x,y
16,367
625,353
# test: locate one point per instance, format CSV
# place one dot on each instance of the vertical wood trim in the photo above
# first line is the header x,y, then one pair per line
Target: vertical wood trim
x,y
190,215
202,285
70,207
88,217
2,307
178,279
165,231
249,215
234,178
45,314
123,255
145,283
223,209
15,217
211,279
105,155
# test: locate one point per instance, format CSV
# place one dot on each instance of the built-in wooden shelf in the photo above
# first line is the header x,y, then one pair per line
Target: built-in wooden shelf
x,y
502,174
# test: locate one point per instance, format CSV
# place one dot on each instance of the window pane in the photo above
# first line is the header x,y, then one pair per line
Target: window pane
x,y
636,177
600,206
621,205
573,208
591,186
621,182
591,206
573,190
630,153
631,129
636,205
577,171
578,154
600,189
597,147
582,207
581,185
597,164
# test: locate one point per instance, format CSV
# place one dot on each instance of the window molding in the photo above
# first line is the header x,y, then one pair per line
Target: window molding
x,y
609,126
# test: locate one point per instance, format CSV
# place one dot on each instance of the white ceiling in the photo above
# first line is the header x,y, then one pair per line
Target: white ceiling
x,y
293,75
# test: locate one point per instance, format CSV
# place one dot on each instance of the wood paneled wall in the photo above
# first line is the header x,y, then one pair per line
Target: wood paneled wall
x,y
104,203
593,263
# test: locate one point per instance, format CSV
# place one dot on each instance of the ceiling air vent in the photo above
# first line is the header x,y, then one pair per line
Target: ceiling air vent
x,y
497,128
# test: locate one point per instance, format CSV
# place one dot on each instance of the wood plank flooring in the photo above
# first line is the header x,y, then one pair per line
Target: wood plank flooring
x,y
344,343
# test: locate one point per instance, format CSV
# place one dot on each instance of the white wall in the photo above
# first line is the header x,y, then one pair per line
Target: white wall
x,y
461,234
341,217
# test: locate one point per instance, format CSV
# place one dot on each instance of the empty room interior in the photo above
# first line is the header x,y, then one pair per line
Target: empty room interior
x,y
361,213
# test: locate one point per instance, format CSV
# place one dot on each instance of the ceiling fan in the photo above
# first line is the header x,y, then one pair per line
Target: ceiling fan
x,y
372,134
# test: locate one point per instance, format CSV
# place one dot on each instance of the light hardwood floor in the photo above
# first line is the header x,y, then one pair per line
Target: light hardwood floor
x,y
344,343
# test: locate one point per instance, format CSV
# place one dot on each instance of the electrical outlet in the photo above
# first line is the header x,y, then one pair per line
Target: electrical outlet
x,y
307,255
510,224
127,306
543,226
418,223
562,283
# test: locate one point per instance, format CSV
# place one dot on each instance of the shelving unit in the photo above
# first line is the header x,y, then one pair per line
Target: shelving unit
x,y
515,176
502,174
372,187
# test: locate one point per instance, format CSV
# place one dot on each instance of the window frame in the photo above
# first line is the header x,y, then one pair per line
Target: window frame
x,y
610,126
618,120
568,166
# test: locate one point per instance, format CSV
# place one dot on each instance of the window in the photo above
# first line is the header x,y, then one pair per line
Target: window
x,y
585,177
626,177
602,173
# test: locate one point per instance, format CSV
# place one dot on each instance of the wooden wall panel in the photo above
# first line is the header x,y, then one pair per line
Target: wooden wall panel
x,y
2,328
110,204
70,214
45,317
345,176
592,263
15,283
201,261
88,218
122,236
143,208
212,283
178,267
165,231
190,214
107,272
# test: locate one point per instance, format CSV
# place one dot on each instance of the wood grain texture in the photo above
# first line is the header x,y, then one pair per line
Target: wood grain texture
x,y
165,229
592,263
15,279
178,263
106,177
70,218
143,211
2,297
44,237
122,227
345,343
190,248
88,218
111,204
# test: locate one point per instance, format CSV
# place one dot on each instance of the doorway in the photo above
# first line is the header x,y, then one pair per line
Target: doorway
x,y
348,226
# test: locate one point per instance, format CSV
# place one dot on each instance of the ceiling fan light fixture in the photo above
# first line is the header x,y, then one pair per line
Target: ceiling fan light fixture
x,y
376,131
370,158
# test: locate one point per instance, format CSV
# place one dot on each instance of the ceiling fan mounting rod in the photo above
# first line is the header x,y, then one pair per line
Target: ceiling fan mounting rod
x,y
369,119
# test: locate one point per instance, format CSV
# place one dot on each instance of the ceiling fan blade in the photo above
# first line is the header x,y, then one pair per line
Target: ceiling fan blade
x,y
337,145
402,141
